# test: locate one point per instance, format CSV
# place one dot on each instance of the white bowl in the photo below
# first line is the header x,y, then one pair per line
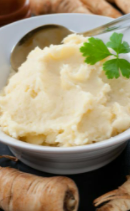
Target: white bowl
x,y
53,159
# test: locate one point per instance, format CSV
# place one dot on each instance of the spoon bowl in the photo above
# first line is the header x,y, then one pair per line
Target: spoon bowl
x,y
42,36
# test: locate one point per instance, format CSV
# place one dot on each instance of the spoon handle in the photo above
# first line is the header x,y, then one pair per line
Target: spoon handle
x,y
119,23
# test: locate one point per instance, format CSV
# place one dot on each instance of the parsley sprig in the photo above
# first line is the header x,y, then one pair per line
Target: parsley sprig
x,y
95,50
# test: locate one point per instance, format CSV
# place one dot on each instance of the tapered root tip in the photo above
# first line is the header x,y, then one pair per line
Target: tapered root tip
x,y
69,201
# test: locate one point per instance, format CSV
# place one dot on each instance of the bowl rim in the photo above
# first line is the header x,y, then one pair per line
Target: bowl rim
x,y
13,14
12,142
107,143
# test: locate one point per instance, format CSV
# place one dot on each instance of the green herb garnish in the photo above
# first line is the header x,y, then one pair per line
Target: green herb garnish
x,y
95,50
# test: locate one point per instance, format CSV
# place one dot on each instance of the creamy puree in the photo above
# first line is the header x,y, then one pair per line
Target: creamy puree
x,y
56,99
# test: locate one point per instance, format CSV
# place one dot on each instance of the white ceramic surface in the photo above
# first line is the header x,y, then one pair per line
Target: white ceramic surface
x,y
57,160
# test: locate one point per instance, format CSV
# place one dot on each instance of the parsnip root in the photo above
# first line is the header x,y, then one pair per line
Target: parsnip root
x,y
57,6
25,192
124,5
9,157
101,7
119,200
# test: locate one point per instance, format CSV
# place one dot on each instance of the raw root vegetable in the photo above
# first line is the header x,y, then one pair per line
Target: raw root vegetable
x,y
25,192
9,157
119,199
124,5
57,6
101,7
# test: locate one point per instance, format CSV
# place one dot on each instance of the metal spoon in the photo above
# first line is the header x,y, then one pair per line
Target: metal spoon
x,y
54,34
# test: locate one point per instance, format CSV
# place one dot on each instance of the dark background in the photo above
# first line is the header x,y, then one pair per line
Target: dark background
x,y
90,184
